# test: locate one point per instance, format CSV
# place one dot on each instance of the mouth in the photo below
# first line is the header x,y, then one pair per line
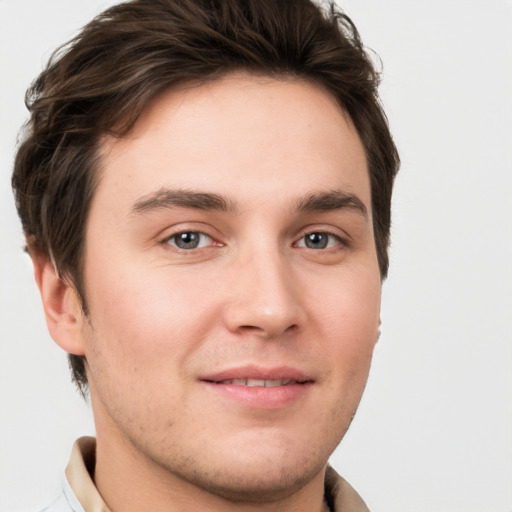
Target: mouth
x,y
259,388
257,376
252,383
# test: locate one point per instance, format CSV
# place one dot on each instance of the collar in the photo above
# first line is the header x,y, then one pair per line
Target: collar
x,y
78,473
339,494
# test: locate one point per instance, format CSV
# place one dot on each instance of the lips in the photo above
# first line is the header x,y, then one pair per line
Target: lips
x,y
259,388
254,376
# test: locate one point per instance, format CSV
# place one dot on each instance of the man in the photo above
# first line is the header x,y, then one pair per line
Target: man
x,y
205,192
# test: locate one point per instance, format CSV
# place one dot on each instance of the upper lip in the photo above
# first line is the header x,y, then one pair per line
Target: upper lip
x,y
259,373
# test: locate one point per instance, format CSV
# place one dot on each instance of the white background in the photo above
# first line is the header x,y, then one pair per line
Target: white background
x,y
434,430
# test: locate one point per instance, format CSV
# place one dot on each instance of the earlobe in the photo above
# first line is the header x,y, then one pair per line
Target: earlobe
x,y
61,307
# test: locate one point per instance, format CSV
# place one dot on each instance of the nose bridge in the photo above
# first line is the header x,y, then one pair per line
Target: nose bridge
x,y
264,297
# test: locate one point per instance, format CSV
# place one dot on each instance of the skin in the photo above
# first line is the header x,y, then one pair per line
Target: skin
x,y
163,318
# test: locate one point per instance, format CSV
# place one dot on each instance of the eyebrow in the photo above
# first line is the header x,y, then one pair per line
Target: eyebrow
x,y
331,200
165,198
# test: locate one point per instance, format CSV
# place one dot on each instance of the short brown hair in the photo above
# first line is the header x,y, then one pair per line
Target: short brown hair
x,y
101,81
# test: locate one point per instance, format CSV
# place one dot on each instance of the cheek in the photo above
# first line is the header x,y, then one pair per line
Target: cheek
x,y
142,334
137,317
349,304
347,319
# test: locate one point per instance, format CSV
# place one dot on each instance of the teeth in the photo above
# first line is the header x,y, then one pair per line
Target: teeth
x,y
272,383
257,382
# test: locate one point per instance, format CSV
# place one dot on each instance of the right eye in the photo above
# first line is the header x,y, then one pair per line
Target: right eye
x,y
188,240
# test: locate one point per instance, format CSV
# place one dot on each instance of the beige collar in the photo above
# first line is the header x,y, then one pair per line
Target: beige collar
x,y
79,471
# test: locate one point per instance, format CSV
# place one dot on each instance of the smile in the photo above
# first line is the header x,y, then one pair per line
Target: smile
x,y
254,387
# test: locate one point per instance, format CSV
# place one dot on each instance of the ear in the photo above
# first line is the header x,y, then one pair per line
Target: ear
x,y
62,309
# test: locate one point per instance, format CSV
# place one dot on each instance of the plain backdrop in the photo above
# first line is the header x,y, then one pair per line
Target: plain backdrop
x,y
434,430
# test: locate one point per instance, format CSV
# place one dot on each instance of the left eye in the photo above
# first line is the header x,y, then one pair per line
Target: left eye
x,y
319,240
189,240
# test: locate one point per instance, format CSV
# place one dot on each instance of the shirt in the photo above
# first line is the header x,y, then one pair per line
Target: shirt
x,y
79,494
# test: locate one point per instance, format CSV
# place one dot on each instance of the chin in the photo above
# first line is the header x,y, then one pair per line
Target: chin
x,y
260,481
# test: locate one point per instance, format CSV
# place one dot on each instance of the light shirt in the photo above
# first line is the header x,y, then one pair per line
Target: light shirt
x,y
79,494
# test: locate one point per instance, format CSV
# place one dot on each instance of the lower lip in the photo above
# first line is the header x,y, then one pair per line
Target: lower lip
x,y
261,397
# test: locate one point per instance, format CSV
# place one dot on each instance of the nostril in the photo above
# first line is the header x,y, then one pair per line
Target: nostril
x,y
267,332
250,328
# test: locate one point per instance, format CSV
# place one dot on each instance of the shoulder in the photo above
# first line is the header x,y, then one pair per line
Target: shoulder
x,y
65,501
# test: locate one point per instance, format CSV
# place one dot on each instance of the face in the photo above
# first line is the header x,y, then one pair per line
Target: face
x,y
232,284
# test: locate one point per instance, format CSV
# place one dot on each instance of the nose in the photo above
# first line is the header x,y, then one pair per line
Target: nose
x,y
264,298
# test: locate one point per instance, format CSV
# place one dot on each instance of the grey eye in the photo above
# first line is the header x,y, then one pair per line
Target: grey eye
x,y
316,240
190,240
319,240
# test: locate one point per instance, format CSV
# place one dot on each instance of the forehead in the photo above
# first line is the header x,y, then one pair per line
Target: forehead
x,y
242,135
